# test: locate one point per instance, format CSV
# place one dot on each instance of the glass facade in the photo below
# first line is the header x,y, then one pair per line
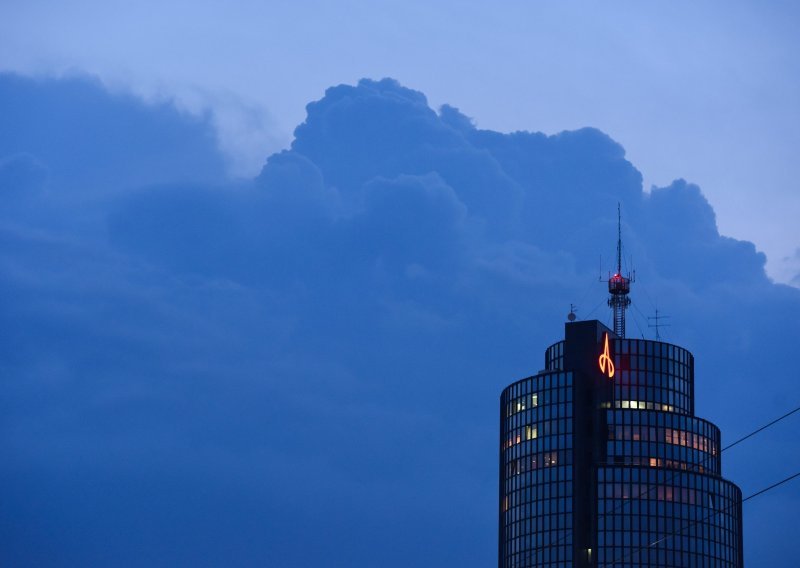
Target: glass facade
x,y
662,439
536,465
655,517
554,357
613,471
654,372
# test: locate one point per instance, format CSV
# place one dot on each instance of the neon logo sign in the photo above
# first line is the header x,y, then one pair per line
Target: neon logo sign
x,y
606,364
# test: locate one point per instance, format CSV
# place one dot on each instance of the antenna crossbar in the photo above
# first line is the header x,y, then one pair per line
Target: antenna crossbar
x,y
656,319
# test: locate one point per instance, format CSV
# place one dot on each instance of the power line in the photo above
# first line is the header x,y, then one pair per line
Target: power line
x,y
771,487
636,307
595,308
703,463
754,432
677,473
636,321
592,284
714,514
644,289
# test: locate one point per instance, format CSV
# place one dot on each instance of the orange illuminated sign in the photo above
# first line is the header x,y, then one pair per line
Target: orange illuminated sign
x,y
606,364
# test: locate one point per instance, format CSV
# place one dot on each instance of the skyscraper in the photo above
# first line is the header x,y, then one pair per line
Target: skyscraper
x,y
603,462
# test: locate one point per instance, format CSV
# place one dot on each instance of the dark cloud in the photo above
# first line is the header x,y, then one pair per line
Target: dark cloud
x,y
201,372
432,238
381,129
682,237
94,141
21,176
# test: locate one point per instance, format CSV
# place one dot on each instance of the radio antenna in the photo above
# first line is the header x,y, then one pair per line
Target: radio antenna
x,y
656,319
619,286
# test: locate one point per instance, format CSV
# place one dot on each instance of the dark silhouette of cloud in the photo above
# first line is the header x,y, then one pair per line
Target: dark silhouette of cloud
x,y
303,368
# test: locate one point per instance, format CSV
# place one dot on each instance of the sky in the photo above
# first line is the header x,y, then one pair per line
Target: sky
x,y
260,302
703,91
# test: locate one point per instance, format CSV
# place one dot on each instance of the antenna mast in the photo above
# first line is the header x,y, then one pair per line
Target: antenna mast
x,y
619,286
619,240
657,323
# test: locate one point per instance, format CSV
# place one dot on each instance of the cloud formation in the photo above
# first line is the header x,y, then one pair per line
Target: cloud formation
x,y
200,370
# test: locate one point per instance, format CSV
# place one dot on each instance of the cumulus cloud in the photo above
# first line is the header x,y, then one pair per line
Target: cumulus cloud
x,y
200,369
87,137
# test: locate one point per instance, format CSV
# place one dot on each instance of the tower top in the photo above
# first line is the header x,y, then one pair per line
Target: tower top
x,y
619,286
619,239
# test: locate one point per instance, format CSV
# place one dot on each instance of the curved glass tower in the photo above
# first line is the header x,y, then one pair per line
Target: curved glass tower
x,y
603,463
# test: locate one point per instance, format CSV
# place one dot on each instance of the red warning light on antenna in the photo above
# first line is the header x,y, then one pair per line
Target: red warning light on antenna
x,y
605,362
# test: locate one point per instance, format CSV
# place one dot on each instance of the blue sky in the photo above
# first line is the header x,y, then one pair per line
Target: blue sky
x,y
234,320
